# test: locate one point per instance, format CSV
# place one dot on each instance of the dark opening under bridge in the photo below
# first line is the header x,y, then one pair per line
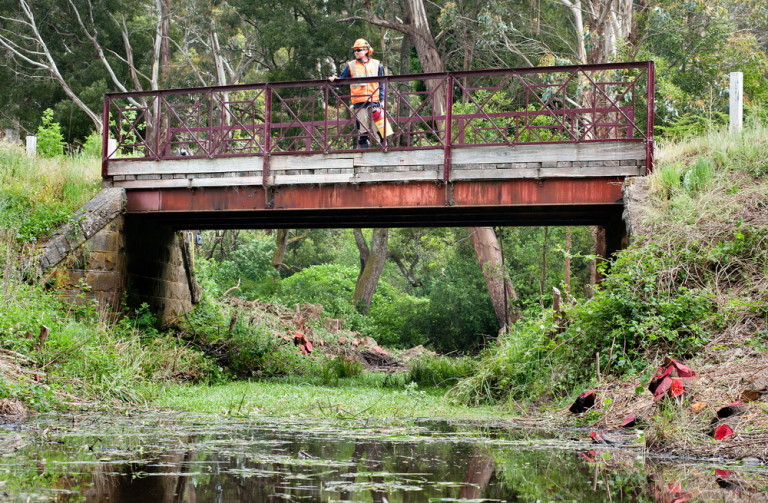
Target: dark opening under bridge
x,y
532,146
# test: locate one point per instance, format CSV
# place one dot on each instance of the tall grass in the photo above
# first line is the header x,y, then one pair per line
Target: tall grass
x,y
86,356
37,195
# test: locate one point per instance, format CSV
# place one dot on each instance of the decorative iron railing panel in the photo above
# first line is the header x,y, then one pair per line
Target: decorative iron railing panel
x,y
549,105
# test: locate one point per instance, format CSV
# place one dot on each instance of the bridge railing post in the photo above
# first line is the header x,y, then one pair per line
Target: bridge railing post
x,y
447,142
650,111
267,135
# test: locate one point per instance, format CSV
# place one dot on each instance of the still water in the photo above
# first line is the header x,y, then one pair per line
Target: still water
x,y
205,458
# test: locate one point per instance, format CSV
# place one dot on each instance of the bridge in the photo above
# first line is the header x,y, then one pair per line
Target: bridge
x,y
530,146
543,146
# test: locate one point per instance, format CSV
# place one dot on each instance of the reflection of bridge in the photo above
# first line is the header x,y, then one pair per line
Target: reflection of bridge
x,y
534,146
520,146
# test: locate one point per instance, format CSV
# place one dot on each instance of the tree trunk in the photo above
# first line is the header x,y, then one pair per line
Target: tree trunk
x,y
371,272
281,244
500,288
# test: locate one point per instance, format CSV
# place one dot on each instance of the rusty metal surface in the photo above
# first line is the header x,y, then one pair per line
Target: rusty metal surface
x,y
569,104
515,202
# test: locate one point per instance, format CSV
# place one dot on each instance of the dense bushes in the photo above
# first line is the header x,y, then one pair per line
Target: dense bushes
x,y
394,316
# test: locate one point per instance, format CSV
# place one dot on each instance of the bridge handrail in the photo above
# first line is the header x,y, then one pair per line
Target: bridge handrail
x,y
506,107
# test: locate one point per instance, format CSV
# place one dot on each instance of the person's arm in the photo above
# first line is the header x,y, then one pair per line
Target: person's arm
x,y
345,74
382,86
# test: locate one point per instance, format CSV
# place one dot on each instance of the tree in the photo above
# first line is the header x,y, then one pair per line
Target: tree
x,y
372,260
500,288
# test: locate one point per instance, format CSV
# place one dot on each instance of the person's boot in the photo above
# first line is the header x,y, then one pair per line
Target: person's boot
x,y
363,142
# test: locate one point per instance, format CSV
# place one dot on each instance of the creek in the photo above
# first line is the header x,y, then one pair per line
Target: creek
x,y
195,458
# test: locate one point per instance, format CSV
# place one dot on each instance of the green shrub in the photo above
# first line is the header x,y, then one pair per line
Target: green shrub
x,y
50,140
459,315
340,367
92,146
249,266
393,315
440,371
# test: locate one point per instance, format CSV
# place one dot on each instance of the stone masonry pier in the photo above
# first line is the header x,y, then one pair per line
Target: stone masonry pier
x,y
119,260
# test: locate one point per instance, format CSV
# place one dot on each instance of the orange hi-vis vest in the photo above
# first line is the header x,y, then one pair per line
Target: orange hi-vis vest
x,y
364,92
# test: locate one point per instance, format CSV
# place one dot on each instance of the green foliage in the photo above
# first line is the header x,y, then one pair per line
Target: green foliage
x,y
50,141
393,317
665,296
440,371
459,315
250,266
36,196
340,367
244,349
92,146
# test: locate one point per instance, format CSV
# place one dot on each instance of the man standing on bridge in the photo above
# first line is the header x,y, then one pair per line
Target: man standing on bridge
x,y
366,98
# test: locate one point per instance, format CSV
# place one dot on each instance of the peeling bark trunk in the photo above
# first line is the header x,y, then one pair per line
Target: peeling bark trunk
x,y
500,288
281,244
371,271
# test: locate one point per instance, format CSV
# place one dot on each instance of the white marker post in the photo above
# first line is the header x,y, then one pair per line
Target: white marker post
x,y
736,101
31,146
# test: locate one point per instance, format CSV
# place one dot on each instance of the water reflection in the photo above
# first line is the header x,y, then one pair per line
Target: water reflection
x,y
210,459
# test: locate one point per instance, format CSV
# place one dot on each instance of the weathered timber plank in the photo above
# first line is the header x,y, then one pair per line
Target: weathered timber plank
x,y
400,158
396,176
493,174
312,179
184,166
614,151
314,161
187,183
591,171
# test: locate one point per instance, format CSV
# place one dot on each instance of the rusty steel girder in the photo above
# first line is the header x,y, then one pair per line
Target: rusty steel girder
x,y
582,201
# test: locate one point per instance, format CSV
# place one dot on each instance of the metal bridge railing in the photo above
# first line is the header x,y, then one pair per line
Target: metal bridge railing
x,y
569,104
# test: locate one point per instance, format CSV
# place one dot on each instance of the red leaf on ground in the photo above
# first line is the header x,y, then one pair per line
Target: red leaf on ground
x,y
723,432
342,340
629,421
662,388
723,473
380,350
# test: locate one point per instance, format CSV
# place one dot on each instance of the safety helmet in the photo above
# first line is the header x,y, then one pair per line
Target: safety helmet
x,y
361,43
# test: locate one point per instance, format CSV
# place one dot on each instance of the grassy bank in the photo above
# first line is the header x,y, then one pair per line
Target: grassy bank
x,y
365,397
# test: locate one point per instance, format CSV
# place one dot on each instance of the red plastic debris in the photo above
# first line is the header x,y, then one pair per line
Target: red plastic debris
x,y
342,340
676,389
589,456
723,432
668,379
723,473
304,344
380,350
630,420
733,409
584,402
